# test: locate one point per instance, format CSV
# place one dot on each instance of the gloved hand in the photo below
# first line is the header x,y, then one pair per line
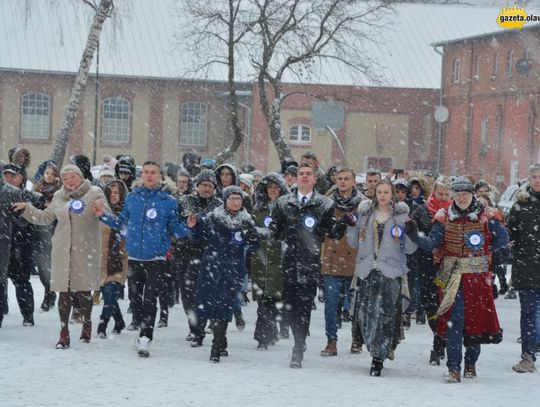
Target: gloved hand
x,y
411,229
251,234
349,219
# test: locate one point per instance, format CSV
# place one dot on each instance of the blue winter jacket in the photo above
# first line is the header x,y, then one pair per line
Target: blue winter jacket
x,y
149,220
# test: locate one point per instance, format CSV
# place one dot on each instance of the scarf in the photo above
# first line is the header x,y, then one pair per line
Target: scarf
x,y
347,203
433,205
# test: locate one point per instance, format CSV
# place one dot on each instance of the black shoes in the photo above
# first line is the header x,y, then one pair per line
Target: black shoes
x,y
435,357
296,358
376,367
239,319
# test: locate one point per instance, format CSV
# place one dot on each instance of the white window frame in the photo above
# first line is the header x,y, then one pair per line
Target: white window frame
x,y
297,135
495,71
193,124
484,134
115,120
35,116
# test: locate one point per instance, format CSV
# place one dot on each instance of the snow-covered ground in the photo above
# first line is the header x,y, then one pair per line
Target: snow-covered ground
x,y
109,372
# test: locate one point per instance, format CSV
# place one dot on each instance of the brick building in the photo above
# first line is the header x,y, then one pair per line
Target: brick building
x,y
492,90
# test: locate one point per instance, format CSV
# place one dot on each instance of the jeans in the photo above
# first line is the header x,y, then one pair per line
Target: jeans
x,y
333,288
530,303
454,338
110,292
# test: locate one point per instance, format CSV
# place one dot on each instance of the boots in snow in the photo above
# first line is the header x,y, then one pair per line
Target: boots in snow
x,y
376,367
86,332
469,372
63,342
297,357
219,343
525,365
143,346
119,324
102,327
330,350
239,319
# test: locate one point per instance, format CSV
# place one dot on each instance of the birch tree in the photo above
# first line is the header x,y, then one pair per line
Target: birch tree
x,y
102,11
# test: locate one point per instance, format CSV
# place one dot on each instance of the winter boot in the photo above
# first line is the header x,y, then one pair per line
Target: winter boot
x,y
420,318
134,326
262,346
406,321
469,372
163,319
102,327
119,324
223,348
345,316
511,294
96,297
452,376
28,320
376,367
45,305
196,342
330,350
86,332
239,319
435,358
525,365
143,346
219,343
296,358
63,342
356,347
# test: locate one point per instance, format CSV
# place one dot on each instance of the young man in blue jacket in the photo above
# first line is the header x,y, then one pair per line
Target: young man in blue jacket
x,y
148,221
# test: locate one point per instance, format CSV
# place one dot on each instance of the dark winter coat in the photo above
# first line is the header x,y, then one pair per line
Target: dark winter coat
x,y
193,204
523,225
223,264
266,274
8,196
303,229
22,240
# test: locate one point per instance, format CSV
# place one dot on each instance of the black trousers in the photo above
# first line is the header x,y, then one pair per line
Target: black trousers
x,y
148,280
298,294
266,330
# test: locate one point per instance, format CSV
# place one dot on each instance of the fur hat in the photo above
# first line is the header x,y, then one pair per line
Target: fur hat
x,y
206,175
71,168
462,184
232,189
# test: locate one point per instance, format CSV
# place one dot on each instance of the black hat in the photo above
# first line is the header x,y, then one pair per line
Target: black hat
x,y
13,169
462,184
291,169
401,183
206,175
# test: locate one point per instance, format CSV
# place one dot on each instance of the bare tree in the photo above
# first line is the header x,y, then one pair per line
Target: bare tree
x,y
288,37
218,26
102,12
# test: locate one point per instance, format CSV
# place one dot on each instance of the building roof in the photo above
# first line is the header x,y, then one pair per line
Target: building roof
x,y
143,41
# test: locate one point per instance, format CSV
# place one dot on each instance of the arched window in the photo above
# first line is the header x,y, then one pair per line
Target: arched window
x,y
35,116
115,121
495,70
193,123
477,66
300,134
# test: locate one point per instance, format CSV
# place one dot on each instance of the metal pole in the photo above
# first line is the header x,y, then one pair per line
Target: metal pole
x,y
96,108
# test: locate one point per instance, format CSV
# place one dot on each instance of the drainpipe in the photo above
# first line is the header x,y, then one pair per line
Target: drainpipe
x,y
439,125
247,150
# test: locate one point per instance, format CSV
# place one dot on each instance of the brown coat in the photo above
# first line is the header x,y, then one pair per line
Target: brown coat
x,y
121,275
338,258
76,243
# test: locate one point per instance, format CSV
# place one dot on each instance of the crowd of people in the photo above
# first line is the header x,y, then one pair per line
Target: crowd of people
x,y
377,254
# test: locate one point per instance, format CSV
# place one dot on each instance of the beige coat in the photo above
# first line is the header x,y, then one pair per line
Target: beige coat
x,y
76,243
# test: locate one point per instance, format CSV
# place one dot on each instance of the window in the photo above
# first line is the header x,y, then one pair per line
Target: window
x,y
300,134
115,123
509,63
484,129
477,64
193,123
499,137
495,71
35,116
456,69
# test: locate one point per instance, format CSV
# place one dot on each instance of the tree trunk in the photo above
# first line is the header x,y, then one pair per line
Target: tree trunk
x,y
77,90
233,98
272,115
